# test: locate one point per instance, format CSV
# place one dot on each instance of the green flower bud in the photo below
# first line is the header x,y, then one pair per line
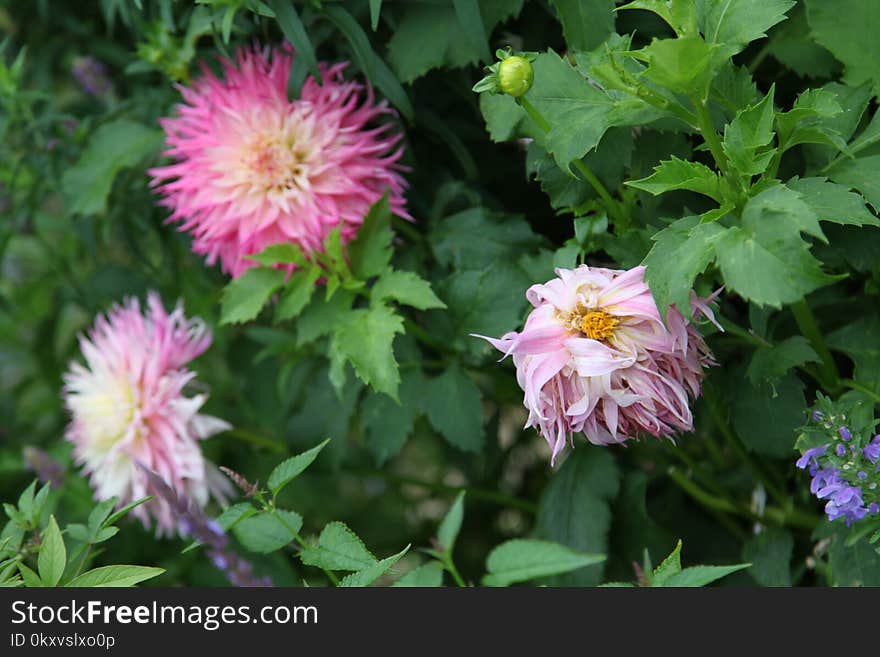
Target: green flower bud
x,y
515,75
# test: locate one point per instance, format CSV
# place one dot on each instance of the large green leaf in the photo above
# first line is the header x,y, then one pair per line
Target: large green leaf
x,y
736,23
245,296
574,508
452,404
364,338
338,548
520,560
114,146
848,29
770,555
267,531
115,576
585,23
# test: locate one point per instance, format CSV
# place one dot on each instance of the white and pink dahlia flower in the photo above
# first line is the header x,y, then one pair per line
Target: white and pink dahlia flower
x,y
254,168
129,410
595,357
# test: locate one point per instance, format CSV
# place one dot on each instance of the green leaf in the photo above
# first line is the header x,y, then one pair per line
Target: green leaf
x,y
267,531
579,113
451,524
121,513
736,23
765,260
585,23
858,340
575,508
407,288
501,237
295,32
387,423
288,470
770,555
338,548
857,565
31,579
701,575
427,575
680,15
670,566
863,174
297,293
767,416
115,576
233,514
321,316
113,147
370,252
245,296
681,174
431,35
375,10
370,63
53,556
99,514
519,560
848,29
372,572
833,202
283,253
806,122
364,338
452,404
769,364
747,138
683,65
681,252
471,22
792,45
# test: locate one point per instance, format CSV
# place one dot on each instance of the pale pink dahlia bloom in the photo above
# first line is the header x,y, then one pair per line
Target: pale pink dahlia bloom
x,y
129,411
254,168
595,357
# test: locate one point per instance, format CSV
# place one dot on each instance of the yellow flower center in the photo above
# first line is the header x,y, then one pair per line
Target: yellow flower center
x,y
595,324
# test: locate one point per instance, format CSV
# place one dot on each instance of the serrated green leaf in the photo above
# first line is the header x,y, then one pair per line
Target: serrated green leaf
x,y
452,404
115,576
683,65
52,559
288,470
281,253
338,548
833,202
407,288
772,363
113,147
702,575
297,293
231,515
267,531
364,338
245,296
863,174
680,174
680,15
520,560
748,137
736,23
670,566
447,533
681,252
387,423
372,572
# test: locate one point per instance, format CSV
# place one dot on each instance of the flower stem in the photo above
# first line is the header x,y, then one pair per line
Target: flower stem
x,y
710,136
330,575
612,206
810,329
450,567
854,385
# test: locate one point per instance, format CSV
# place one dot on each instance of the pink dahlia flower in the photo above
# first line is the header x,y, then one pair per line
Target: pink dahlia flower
x,y
595,357
129,411
254,168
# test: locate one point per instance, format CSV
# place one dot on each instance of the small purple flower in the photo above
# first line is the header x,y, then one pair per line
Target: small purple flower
x,y
862,475
874,508
845,434
818,416
840,450
811,457
872,450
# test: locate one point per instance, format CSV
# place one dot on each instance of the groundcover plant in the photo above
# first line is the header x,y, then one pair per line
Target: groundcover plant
x,y
352,293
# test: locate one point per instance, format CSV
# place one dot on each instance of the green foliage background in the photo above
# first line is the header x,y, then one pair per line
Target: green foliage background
x,y
723,131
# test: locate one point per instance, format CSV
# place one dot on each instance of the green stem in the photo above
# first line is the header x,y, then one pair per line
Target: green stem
x,y
450,567
716,507
810,329
710,136
740,332
612,206
330,575
854,385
